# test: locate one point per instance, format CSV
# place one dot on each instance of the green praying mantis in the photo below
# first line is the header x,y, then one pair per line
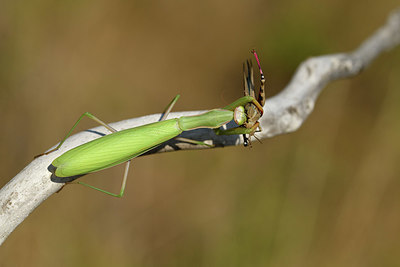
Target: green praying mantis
x,y
122,146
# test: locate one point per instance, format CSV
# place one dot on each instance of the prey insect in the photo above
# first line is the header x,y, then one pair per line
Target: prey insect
x,y
122,146
252,111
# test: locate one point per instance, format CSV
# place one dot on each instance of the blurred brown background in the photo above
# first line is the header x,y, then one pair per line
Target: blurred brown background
x,y
326,195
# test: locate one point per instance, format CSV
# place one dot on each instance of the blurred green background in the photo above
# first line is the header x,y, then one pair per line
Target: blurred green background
x,y
325,195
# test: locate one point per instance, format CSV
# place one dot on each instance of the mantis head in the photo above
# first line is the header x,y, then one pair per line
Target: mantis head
x,y
239,115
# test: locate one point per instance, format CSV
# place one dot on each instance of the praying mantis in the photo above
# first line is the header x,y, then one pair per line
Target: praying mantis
x,y
122,146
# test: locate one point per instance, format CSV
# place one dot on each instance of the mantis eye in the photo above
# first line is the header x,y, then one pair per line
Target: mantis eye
x,y
239,115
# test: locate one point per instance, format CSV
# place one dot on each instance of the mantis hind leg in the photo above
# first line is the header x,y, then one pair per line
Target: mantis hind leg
x,y
122,190
168,109
90,116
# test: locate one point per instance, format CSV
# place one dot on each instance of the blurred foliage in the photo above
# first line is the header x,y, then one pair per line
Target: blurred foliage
x,y
325,195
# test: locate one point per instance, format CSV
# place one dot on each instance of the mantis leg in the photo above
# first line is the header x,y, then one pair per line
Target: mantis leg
x,y
90,116
243,101
122,190
191,141
168,109
237,130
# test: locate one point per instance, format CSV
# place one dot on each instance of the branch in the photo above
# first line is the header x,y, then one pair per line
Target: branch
x,y
286,112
